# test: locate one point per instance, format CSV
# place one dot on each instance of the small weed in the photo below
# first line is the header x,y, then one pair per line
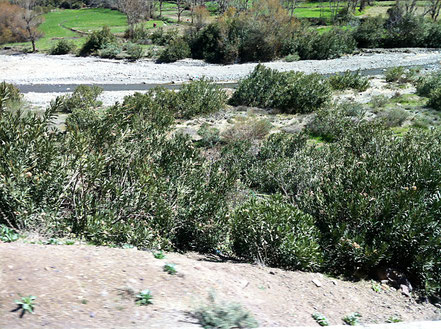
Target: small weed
x,y
170,269
144,297
84,301
224,315
375,286
352,319
159,255
7,234
320,319
26,304
394,319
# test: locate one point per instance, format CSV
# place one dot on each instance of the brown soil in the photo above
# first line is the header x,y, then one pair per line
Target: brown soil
x,y
85,286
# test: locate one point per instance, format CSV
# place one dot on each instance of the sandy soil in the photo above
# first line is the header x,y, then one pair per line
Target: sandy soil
x,y
85,286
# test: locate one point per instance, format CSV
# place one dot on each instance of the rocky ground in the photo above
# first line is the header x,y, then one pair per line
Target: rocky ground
x,y
80,286
67,69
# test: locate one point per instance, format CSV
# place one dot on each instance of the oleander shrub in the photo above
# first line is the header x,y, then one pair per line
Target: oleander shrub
x,y
84,97
62,47
97,40
291,92
349,80
276,233
199,97
9,95
176,49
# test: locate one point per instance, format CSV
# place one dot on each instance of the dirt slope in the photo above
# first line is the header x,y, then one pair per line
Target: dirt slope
x,y
85,286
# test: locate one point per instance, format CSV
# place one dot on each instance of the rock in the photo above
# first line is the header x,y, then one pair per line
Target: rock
x,y
317,282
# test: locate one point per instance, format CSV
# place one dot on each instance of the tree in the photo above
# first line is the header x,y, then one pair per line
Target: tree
x,y
136,11
29,18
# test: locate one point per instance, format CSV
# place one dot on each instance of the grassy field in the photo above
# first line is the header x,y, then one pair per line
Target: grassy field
x,y
58,25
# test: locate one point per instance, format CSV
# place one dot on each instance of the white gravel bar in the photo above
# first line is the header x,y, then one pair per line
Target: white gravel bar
x,y
26,69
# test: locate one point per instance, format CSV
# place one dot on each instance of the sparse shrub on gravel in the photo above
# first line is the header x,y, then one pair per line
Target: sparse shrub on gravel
x,y
291,92
349,80
276,233
62,47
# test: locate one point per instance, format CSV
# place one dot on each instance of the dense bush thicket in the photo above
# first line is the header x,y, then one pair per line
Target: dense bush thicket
x,y
398,30
247,37
366,200
276,233
291,92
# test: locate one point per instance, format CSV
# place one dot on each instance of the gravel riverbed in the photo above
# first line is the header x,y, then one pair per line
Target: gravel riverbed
x,y
29,69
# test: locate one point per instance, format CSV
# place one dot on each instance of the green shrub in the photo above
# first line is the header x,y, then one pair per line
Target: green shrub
x,y
9,94
139,34
291,92
401,75
161,37
394,74
199,97
96,41
292,58
393,117
134,52
276,233
209,136
426,84
370,33
331,124
379,101
111,50
177,49
84,97
405,30
62,47
435,99
310,44
224,315
349,80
